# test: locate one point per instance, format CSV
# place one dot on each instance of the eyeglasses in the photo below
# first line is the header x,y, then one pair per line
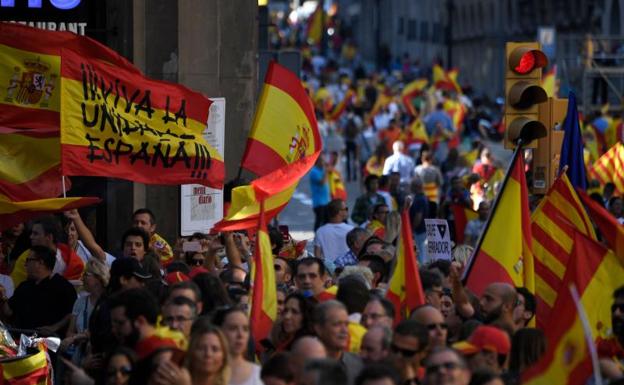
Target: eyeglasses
x,y
407,353
617,306
441,325
431,369
124,370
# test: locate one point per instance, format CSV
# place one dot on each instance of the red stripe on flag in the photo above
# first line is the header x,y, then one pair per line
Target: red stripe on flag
x,y
489,271
550,244
263,157
11,219
37,376
46,185
247,223
547,275
22,117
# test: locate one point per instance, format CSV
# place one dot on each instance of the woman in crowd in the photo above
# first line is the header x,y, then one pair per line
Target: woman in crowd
x,y
527,347
235,325
119,366
293,323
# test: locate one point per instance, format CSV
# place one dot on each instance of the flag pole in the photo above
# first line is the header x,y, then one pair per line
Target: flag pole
x,y
516,154
63,184
588,334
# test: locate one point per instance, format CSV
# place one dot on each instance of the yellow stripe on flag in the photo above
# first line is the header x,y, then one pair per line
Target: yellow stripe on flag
x,y
24,366
245,204
547,293
547,259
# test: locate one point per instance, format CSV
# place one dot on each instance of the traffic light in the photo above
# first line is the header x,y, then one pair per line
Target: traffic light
x,y
523,94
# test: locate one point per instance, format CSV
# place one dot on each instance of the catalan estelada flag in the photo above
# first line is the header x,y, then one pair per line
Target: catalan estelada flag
x,y
30,73
553,223
405,289
596,273
120,124
284,129
24,175
264,292
28,370
610,229
462,215
503,253
610,168
410,91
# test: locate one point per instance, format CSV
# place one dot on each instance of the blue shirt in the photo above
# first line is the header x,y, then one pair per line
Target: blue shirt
x,y
319,187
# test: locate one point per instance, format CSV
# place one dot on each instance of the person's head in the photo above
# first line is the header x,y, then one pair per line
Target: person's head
x,y
442,267
377,375
445,366
377,266
40,262
119,365
486,156
356,238
527,347
234,277
235,325
398,147
212,293
497,302
277,371
525,307
484,210
373,245
486,348
46,231
207,354
297,315
447,306
134,313
375,345
410,342
323,372
283,271
432,286
331,322
186,289
378,312
144,218
179,313
310,275
71,234
126,273
608,190
371,183
615,206
380,212
433,320
353,292
96,276
337,211
617,314
135,243
304,349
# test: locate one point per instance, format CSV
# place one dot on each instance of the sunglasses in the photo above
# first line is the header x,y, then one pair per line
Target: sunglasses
x,y
442,326
431,369
407,353
125,370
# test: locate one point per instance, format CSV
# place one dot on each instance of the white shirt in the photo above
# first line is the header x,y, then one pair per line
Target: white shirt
x,y
253,379
400,163
331,238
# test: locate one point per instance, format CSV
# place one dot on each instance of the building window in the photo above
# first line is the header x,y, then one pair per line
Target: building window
x,y
411,29
401,26
424,31
438,33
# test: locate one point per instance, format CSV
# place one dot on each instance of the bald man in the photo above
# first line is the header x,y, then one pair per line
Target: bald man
x,y
433,320
303,350
376,344
497,304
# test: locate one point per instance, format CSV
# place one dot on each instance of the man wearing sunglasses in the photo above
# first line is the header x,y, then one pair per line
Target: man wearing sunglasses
x,y
433,320
409,346
445,366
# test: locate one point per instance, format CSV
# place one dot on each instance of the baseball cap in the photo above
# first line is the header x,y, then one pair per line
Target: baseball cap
x,y
485,338
127,266
175,277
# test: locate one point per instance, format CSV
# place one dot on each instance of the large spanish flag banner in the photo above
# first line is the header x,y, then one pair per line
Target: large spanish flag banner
x,y
553,223
264,291
610,168
596,273
611,230
30,68
405,289
503,253
116,123
284,128
29,370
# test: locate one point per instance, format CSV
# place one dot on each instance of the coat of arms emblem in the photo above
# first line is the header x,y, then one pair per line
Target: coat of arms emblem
x,y
31,85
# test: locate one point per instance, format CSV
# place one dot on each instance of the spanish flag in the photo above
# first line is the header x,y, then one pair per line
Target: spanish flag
x,y
416,133
264,292
410,91
445,80
30,73
610,229
610,168
337,189
117,123
549,82
384,98
340,108
462,215
504,252
23,176
314,29
405,289
553,223
596,273
32,369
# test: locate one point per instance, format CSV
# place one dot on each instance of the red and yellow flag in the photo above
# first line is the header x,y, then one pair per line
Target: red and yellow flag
x,y
337,189
284,128
596,273
383,100
405,289
610,229
553,223
462,215
12,212
314,28
30,73
610,168
340,108
504,250
29,370
549,82
444,80
117,123
410,91
264,292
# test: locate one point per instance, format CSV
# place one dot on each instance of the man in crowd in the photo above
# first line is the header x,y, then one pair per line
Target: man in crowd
x,y
179,314
432,286
283,271
330,241
310,276
486,349
144,218
134,313
378,312
355,240
497,305
365,202
433,320
399,162
376,344
475,227
445,366
409,346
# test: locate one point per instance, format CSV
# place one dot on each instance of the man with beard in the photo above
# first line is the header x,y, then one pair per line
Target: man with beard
x,y
134,313
497,305
611,350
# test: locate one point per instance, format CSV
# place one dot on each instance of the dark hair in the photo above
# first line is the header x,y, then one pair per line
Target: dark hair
x,y
330,372
227,276
370,178
278,366
309,262
186,285
183,301
354,234
415,329
46,255
385,303
121,351
429,279
220,314
376,264
443,265
145,211
178,266
619,292
276,238
377,372
483,376
334,207
370,241
213,293
378,206
529,299
353,293
51,226
527,347
136,302
306,306
136,232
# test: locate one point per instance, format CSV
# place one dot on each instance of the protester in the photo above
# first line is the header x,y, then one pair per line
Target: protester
x,y
330,240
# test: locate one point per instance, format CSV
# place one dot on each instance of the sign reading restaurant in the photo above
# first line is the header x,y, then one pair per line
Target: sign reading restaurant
x,y
52,15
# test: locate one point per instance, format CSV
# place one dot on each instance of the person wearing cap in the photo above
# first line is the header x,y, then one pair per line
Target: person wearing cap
x,y
179,313
127,273
486,348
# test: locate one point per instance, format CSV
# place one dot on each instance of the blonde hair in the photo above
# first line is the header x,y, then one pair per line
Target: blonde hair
x,y
201,328
99,269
